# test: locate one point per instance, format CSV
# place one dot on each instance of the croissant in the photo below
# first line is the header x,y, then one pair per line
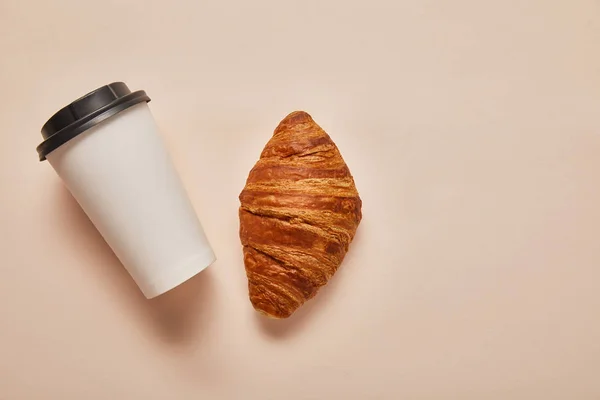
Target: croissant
x,y
299,213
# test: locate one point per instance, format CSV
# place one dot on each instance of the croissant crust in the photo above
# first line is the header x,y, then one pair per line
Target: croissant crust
x,y
299,213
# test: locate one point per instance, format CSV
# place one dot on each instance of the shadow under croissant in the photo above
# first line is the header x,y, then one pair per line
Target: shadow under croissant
x,y
174,317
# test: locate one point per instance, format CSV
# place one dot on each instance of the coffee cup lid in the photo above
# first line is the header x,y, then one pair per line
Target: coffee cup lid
x,y
86,112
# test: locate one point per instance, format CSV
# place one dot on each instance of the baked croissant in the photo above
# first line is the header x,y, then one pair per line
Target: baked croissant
x,y
299,213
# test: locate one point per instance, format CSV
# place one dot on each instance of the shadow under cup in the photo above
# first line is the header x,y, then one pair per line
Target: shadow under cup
x,y
108,151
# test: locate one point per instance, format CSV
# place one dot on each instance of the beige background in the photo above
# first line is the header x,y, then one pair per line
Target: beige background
x,y
472,129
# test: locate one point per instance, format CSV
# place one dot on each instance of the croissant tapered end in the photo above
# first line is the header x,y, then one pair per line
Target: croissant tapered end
x,y
268,304
293,119
275,291
299,213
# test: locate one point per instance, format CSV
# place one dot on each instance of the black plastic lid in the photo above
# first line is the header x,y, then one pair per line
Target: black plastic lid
x,y
86,112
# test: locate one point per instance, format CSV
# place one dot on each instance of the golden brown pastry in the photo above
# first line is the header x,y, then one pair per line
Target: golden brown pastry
x,y
299,212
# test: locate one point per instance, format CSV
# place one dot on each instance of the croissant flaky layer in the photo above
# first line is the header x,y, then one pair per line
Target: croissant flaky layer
x,y
299,213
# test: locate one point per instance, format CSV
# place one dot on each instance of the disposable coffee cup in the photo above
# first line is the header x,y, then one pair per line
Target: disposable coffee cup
x,y
109,153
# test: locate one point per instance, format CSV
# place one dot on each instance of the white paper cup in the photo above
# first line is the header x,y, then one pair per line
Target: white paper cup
x,y
108,151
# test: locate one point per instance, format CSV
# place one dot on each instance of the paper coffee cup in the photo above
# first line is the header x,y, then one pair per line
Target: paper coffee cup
x,y
108,151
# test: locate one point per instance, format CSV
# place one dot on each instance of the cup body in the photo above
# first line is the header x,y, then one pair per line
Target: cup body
x,y
122,176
